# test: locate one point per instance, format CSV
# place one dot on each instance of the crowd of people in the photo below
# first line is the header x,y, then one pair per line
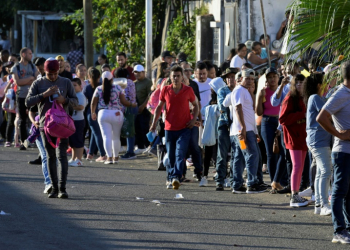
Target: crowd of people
x,y
286,121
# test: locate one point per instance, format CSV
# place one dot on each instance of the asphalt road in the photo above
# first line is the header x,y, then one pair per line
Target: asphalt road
x,y
103,212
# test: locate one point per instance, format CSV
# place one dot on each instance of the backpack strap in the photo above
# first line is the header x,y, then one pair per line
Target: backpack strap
x,y
33,68
49,139
18,70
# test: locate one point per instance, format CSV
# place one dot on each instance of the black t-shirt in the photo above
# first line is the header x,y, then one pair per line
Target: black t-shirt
x,y
66,74
195,88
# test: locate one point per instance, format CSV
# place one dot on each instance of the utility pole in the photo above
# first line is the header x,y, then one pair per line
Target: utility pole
x,y
148,38
265,35
88,36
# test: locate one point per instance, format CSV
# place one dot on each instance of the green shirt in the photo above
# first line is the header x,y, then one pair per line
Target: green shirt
x,y
143,88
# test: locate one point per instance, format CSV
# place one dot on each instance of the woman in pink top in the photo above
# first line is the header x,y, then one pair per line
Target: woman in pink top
x,y
269,126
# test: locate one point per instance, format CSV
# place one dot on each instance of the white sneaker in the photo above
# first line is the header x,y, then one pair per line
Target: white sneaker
x,y
147,151
70,161
317,210
47,189
169,185
326,210
108,162
139,151
77,163
298,201
204,182
307,192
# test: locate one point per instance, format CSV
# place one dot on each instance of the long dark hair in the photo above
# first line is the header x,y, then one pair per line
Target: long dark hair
x,y
310,86
106,90
161,67
294,94
94,74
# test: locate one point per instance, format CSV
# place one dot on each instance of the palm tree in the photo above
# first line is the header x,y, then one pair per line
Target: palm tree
x,y
322,25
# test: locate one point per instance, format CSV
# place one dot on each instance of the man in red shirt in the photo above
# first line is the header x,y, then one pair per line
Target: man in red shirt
x,y
178,123
121,60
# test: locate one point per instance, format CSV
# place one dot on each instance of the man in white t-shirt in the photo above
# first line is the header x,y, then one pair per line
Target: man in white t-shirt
x,y
243,131
203,83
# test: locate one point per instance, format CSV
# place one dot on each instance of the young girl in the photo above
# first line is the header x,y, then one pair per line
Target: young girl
x,y
76,141
82,74
318,140
293,121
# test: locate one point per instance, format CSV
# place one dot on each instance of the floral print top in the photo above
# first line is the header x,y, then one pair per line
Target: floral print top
x,y
114,103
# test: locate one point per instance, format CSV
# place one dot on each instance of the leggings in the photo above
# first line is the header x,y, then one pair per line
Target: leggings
x,y
111,122
10,126
298,160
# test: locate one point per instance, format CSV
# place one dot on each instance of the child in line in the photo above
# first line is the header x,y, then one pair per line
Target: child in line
x,y
76,141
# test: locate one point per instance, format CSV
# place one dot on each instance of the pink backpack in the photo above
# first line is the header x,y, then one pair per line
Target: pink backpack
x,y
58,124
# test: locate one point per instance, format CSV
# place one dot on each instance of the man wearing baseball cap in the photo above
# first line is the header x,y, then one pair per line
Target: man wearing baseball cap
x,y
43,92
243,135
62,72
224,122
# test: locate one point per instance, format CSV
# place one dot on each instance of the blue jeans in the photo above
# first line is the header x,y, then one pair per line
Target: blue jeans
x,y
96,137
39,143
341,192
323,173
177,145
250,156
196,151
131,140
268,132
224,145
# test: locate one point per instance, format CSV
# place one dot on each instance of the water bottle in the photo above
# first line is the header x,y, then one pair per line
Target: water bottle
x,y
242,143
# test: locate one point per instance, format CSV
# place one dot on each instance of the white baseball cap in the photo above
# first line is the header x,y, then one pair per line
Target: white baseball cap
x,y
139,68
107,75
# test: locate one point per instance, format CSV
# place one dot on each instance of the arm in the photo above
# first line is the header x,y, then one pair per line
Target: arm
x,y
191,123
277,97
259,109
125,102
7,87
71,99
156,116
256,59
279,33
240,117
79,107
93,107
34,97
324,119
23,82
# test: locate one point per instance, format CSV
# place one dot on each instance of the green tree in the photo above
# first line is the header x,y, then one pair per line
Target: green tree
x,y
120,26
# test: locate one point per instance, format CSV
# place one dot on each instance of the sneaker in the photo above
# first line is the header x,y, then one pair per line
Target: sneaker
x,y
128,156
219,187
108,162
8,144
70,161
62,194
139,151
264,169
194,175
189,163
285,190
264,185
312,200
47,189
115,161
326,210
307,192
169,185
175,183
77,163
241,190
36,162
53,193
22,147
298,201
204,182
255,189
317,210
342,237
101,159
146,152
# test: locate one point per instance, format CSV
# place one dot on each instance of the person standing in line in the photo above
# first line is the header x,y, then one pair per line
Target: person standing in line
x,y
143,87
224,123
63,72
243,135
41,93
76,140
178,123
96,136
24,73
110,100
74,57
337,108
293,121
122,62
